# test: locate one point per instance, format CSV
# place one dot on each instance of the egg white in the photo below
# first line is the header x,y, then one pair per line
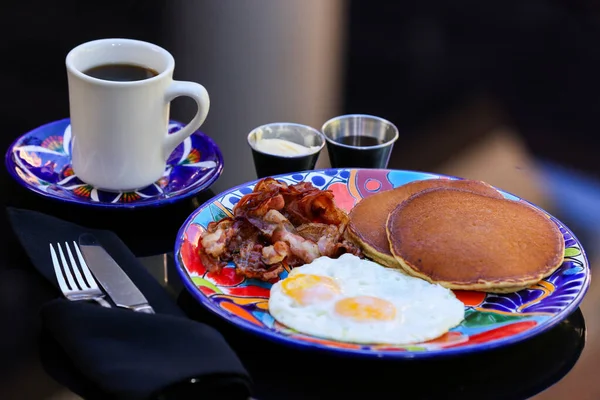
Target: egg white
x,y
424,311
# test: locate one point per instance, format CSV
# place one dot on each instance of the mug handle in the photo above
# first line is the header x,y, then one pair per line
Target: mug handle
x,y
200,95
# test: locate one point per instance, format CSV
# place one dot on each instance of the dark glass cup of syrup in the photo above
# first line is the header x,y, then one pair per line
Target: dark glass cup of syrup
x,y
359,141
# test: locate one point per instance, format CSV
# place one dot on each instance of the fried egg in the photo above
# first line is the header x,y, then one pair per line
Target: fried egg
x,y
356,300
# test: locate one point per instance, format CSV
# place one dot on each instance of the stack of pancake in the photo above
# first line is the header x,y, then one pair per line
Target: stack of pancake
x,y
461,234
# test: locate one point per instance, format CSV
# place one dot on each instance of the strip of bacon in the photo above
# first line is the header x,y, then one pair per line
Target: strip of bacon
x,y
275,253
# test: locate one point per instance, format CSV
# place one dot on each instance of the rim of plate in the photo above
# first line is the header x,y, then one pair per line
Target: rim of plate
x,y
11,167
403,354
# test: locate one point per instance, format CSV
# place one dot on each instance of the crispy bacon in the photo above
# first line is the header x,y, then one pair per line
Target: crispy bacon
x,y
270,222
315,206
277,224
217,237
212,264
306,250
329,238
275,253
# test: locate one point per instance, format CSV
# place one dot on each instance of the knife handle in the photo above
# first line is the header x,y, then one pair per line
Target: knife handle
x,y
145,308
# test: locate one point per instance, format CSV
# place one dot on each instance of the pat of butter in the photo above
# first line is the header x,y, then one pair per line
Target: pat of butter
x,y
280,147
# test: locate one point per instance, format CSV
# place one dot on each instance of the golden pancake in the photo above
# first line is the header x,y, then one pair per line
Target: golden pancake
x,y
463,240
368,217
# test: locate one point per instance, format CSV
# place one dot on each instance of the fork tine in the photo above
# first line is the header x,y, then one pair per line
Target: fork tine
x,y
66,269
58,271
80,281
84,267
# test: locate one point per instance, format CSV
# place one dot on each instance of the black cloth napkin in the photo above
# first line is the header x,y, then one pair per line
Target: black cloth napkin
x,y
102,353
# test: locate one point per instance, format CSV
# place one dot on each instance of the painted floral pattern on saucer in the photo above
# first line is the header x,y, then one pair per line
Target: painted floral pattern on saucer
x,y
41,161
491,320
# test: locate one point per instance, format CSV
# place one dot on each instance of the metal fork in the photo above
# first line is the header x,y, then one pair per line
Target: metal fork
x,y
75,285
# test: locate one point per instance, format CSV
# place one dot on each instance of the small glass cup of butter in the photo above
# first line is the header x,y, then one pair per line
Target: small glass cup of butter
x,y
284,147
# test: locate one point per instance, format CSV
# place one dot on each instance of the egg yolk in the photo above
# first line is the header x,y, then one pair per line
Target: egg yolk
x,y
365,308
310,289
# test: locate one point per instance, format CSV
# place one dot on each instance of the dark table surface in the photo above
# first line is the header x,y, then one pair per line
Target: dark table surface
x,y
515,372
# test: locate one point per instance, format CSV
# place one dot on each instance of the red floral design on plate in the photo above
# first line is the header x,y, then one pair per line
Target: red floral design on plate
x,y
192,158
68,171
206,290
470,298
247,291
369,182
130,197
372,185
53,143
227,277
189,250
449,338
83,191
343,198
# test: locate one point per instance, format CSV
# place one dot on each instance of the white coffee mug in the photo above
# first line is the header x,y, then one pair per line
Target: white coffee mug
x,y
120,139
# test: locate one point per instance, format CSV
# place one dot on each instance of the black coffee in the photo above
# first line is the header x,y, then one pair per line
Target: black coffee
x,y
121,72
358,140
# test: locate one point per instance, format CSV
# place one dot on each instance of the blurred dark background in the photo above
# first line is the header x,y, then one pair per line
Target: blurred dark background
x,y
412,62
507,91
538,60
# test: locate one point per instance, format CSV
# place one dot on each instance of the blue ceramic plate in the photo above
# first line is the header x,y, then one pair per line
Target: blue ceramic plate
x,y
491,320
40,160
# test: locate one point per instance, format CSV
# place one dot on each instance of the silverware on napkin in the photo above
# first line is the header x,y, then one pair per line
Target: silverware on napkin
x,y
74,278
113,279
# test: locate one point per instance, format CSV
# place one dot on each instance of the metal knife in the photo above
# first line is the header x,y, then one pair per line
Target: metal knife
x,y
113,279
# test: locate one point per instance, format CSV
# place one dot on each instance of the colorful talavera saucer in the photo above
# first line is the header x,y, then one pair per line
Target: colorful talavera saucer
x,y
41,161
